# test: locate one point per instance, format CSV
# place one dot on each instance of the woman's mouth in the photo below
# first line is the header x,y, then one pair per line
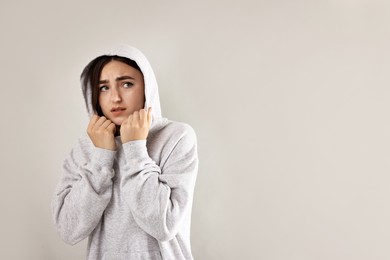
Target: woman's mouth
x,y
117,110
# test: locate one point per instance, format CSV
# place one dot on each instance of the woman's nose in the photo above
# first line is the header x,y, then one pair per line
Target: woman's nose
x,y
115,96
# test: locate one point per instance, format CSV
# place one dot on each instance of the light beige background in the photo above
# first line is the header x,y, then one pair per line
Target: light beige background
x,y
290,101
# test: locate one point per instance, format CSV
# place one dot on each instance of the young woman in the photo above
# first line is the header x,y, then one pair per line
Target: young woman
x,y
128,183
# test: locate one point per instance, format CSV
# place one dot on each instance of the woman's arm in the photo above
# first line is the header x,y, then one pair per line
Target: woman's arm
x,y
161,198
83,192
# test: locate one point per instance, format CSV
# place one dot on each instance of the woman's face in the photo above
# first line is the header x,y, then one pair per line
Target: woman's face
x,y
121,91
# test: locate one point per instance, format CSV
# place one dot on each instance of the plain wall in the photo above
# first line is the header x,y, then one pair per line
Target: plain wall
x,y
289,99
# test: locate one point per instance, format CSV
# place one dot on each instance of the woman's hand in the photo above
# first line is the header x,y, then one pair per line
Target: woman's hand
x,y
136,126
101,131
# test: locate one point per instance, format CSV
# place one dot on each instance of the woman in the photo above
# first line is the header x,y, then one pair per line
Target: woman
x,y
128,183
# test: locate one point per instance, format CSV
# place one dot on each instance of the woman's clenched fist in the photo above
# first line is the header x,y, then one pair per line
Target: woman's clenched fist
x,y
136,126
101,131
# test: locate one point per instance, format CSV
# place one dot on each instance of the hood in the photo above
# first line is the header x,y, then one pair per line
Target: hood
x,y
151,88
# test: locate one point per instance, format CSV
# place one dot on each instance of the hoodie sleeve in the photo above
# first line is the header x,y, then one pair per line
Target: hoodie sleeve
x,y
83,192
161,198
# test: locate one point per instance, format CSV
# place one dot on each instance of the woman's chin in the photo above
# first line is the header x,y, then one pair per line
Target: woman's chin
x,y
117,121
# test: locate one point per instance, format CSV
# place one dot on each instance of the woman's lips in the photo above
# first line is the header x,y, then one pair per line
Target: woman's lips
x,y
117,110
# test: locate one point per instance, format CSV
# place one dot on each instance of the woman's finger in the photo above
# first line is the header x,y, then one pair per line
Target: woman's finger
x,y
92,122
142,115
111,127
106,124
149,115
100,122
136,115
130,119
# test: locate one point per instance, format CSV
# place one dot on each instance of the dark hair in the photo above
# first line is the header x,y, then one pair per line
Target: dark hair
x,y
91,75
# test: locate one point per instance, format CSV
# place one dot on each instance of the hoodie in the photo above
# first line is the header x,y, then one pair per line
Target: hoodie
x,y
133,203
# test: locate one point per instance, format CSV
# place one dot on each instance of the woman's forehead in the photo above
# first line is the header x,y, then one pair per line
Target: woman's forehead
x,y
119,69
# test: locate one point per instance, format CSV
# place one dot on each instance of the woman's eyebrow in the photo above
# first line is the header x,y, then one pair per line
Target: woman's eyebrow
x,y
124,77
105,81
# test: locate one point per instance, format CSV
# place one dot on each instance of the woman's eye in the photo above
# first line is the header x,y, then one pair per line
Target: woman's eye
x,y
128,84
103,88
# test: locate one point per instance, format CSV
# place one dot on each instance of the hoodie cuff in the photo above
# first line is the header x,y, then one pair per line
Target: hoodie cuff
x,y
135,149
103,157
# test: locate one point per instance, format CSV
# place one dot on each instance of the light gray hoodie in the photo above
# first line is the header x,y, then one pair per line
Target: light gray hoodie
x,y
133,203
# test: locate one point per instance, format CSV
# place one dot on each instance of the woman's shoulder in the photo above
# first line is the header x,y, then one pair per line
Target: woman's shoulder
x,y
172,138
82,145
84,141
175,129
